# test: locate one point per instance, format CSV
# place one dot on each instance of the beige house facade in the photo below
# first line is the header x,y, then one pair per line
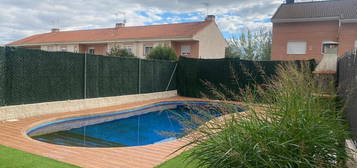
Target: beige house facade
x,y
195,39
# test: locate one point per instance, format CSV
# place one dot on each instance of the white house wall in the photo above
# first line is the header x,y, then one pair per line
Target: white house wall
x,y
69,48
138,47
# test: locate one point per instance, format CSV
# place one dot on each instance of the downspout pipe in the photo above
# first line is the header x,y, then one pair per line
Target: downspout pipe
x,y
339,33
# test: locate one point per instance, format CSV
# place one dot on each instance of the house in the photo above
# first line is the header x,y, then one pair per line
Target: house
x,y
195,40
300,29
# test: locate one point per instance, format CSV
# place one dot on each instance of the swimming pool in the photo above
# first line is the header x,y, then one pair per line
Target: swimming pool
x,y
151,124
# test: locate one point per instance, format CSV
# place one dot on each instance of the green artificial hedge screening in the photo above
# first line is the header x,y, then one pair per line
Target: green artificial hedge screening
x,y
231,74
32,76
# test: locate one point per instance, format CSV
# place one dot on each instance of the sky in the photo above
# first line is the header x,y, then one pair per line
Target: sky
x,y
22,18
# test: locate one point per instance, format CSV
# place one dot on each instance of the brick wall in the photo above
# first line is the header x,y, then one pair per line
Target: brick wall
x,y
348,36
314,33
194,48
99,49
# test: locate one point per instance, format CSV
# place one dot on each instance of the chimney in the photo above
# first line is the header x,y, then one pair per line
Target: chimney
x,y
290,1
210,18
55,30
118,25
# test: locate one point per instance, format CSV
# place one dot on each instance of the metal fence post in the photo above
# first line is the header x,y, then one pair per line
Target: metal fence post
x,y
85,76
3,75
139,76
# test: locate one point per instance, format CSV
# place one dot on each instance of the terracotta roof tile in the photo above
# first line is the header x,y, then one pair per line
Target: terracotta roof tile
x,y
121,33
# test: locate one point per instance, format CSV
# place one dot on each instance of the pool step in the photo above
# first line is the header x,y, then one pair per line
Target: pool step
x,y
68,138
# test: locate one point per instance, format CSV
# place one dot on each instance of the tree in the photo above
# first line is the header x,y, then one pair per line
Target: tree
x,y
117,51
251,45
264,40
231,52
162,53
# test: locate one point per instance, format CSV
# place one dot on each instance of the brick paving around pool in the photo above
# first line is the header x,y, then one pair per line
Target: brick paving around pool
x,y
13,134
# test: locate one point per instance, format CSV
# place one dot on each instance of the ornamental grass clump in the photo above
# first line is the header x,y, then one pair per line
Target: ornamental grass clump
x,y
286,124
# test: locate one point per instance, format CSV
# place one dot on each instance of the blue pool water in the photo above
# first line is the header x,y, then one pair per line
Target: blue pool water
x,y
151,124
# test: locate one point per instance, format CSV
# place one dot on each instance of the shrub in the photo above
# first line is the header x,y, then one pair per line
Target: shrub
x,y
117,51
286,125
162,53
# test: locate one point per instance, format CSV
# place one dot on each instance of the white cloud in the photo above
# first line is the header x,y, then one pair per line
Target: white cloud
x,y
21,18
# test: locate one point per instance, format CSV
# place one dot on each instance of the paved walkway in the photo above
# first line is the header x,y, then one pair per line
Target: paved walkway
x,y
13,134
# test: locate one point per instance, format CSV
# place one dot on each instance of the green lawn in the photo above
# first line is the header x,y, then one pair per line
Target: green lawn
x,y
12,158
178,162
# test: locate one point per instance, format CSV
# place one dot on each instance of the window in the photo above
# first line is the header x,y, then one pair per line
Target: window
x,y
296,47
63,48
76,49
129,48
323,48
329,47
91,51
147,50
185,50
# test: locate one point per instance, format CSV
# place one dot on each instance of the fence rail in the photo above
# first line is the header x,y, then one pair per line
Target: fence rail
x,y
32,76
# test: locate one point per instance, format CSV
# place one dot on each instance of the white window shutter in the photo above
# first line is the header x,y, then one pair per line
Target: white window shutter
x,y
296,47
